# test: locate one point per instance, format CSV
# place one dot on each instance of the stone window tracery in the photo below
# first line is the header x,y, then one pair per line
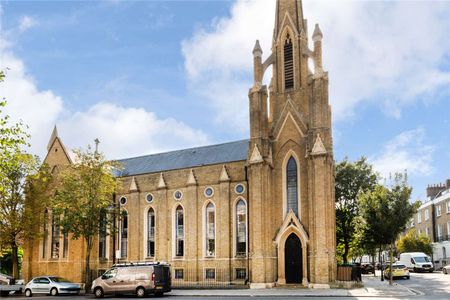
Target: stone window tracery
x,y
241,228
210,230
292,186
179,231
151,233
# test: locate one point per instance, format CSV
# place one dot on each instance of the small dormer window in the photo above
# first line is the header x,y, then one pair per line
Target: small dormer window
x,y
288,64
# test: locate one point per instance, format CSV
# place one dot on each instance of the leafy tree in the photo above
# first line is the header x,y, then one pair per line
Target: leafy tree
x,y
384,213
19,171
84,193
413,242
352,178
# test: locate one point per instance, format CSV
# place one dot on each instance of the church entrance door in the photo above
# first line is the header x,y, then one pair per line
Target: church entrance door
x,y
293,259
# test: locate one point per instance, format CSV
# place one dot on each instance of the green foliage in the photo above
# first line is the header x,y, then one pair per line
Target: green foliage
x,y
6,260
413,242
18,173
84,193
352,178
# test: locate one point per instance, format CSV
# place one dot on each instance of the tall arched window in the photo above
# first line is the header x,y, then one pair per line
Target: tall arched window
x,y
45,237
102,235
151,233
291,186
179,231
124,235
288,64
241,228
55,236
210,230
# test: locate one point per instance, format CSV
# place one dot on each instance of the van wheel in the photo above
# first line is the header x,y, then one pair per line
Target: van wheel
x,y
444,271
98,292
140,292
28,293
54,292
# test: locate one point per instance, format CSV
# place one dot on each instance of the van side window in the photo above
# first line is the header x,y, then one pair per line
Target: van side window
x,y
110,274
412,261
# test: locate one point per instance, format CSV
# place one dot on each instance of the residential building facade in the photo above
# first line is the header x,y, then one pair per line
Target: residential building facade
x,y
260,210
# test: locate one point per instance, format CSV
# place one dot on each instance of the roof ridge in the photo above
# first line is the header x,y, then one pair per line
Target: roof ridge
x,y
179,150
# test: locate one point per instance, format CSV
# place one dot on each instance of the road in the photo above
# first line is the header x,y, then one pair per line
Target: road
x,y
434,285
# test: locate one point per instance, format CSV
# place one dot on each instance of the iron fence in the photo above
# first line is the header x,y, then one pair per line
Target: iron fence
x,y
209,278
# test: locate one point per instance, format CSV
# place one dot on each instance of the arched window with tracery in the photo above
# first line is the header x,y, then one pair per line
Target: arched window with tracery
x,y
179,231
241,228
45,237
292,185
288,64
210,220
151,233
55,236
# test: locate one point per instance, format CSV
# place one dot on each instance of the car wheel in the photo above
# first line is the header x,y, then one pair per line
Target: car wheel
x,y
28,293
431,271
98,292
444,271
407,277
54,292
159,294
140,292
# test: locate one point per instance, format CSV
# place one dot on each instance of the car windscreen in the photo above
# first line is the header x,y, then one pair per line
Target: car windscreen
x,y
58,279
398,267
421,259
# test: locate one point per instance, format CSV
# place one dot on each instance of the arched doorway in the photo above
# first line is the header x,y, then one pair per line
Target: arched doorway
x,y
293,259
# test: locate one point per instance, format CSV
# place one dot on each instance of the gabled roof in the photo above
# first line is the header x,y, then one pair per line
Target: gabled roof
x,y
186,158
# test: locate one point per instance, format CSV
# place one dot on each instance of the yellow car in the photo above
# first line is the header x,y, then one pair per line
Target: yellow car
x,y
398,270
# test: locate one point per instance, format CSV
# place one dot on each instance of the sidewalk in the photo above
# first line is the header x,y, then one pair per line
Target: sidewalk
x,y
373,287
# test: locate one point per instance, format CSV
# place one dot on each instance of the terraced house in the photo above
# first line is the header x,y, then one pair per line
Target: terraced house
x,y
258,211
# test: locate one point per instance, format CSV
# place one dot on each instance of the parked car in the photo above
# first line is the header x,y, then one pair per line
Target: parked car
x,y
367,268
134,278
398,270
51,285
446,269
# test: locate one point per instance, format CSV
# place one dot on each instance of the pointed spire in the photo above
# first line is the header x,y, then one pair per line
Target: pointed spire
x,y
257,51
133,185
224,175
52,138
191,179
161,182
319,147
317,34
294,10
256,156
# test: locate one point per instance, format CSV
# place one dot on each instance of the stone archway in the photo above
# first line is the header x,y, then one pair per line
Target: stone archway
x,y
292,226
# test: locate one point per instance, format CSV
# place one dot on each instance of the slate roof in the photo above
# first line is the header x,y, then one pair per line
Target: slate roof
x,y
186,158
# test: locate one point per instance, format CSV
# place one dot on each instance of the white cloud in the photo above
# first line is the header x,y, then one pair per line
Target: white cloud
x,y
27,22
390,53
406,151
123,131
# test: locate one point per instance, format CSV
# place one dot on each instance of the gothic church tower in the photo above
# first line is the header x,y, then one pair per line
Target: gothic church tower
x,y
290,159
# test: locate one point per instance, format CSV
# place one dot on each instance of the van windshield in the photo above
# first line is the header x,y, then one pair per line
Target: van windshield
x,y
421,259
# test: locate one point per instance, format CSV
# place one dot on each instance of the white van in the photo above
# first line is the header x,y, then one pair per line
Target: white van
x,y
417,261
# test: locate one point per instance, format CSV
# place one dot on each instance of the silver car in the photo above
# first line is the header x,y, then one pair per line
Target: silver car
x,y
51,285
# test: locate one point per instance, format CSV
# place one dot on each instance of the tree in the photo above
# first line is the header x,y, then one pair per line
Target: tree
x,y
84,193
413,242
19,171
352,178
384,213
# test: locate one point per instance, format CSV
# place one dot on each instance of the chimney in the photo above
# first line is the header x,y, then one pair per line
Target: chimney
x,y
434,189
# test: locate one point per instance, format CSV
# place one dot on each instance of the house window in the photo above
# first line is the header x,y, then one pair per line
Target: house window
x,y
151,233
241,273
45,238
427,216
179,273
438,211
419,217
102,236
179,231
427,231
448,206
124,235
291,185
241,228
439,231
420,231
55,236
210,273
288,64
210,230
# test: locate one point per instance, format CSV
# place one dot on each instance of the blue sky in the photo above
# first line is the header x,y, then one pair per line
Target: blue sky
x,y
151,76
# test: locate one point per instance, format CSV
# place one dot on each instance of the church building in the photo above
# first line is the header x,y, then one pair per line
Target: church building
x,y
258,211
